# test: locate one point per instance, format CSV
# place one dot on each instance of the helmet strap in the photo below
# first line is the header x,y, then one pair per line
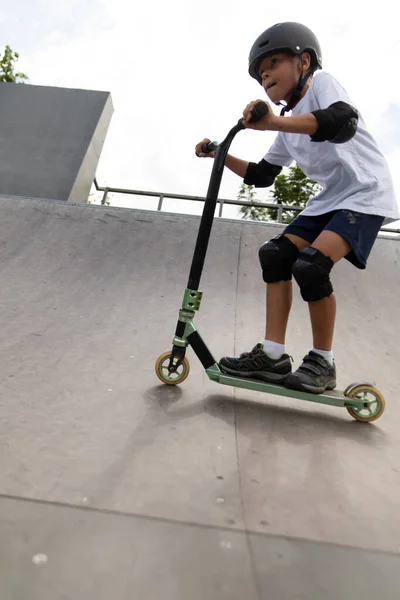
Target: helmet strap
x,y
297,93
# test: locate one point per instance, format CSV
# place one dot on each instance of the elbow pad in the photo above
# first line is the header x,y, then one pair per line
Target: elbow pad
x,y
336,124
261,174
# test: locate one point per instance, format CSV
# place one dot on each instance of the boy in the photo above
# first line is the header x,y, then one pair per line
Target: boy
x,y
327,137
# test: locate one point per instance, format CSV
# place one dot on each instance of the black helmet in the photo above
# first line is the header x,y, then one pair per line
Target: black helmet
x,y
291,37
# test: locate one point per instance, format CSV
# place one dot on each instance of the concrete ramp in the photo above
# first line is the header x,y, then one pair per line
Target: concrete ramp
x,y
114,485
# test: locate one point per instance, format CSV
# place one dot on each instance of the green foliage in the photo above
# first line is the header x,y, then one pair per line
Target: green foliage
x,y
254,213
295,188
7,74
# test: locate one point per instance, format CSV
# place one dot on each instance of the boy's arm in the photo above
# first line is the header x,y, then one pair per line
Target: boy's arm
x,y
260,174
298,124
237,165
263,173
337,123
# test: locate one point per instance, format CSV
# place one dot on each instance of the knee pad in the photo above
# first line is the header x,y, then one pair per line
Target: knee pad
x,y
311,271
277,258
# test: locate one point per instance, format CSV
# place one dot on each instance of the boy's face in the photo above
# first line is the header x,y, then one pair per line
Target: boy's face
x,y
280,74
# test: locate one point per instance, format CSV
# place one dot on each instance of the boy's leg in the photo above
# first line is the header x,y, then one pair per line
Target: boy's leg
x,y
317,373
270,362
323,312
279,302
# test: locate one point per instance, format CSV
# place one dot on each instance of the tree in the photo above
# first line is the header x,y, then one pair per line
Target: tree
x,y
247,194
295,188
7,61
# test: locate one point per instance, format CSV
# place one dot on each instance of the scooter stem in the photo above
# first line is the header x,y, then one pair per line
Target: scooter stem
x,y
207,218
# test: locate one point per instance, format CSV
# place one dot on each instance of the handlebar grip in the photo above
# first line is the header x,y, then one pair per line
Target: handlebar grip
x,y
258,112
209,147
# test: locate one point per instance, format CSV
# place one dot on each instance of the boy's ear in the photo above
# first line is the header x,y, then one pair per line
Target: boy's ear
x,y
306,58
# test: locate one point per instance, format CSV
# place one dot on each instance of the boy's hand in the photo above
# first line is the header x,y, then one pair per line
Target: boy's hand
x,y
199,152
269,122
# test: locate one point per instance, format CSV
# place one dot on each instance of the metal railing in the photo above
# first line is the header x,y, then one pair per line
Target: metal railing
x,y
280,208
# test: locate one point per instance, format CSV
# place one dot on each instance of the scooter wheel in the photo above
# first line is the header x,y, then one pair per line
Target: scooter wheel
x,y
374,403
175,377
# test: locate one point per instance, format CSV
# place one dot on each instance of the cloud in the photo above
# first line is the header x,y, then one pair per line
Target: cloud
x,y
177,72
386,128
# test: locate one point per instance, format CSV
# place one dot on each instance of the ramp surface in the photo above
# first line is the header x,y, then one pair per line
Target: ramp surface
x,y
113,484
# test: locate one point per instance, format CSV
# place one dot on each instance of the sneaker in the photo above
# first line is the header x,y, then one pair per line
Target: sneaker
x,y
257,364
314,375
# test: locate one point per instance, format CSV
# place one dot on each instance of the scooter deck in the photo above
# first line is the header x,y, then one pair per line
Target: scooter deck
x,y
334,397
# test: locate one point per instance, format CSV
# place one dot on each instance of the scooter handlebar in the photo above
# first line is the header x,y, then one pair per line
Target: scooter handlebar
x,y
258,112
209,147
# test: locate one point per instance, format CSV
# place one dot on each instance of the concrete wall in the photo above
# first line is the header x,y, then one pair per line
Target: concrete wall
x,y
51,140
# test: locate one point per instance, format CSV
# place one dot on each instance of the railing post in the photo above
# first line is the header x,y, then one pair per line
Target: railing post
x,y
221,206
280,213
105,195
160,202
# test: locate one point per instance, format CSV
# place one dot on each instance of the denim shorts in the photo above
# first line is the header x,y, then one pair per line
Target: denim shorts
x,y
358,229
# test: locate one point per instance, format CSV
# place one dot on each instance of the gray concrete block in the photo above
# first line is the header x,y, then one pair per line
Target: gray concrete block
x,y
51,140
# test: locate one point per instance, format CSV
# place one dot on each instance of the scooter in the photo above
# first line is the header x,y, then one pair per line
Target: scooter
x,y
363,400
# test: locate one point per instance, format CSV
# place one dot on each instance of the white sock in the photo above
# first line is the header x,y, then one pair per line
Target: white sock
x,y
327,354
273,349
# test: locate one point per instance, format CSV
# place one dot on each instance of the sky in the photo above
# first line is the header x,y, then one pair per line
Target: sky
x,y
177,72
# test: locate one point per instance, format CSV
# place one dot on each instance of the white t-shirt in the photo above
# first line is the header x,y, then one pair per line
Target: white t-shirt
x,y
353,175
